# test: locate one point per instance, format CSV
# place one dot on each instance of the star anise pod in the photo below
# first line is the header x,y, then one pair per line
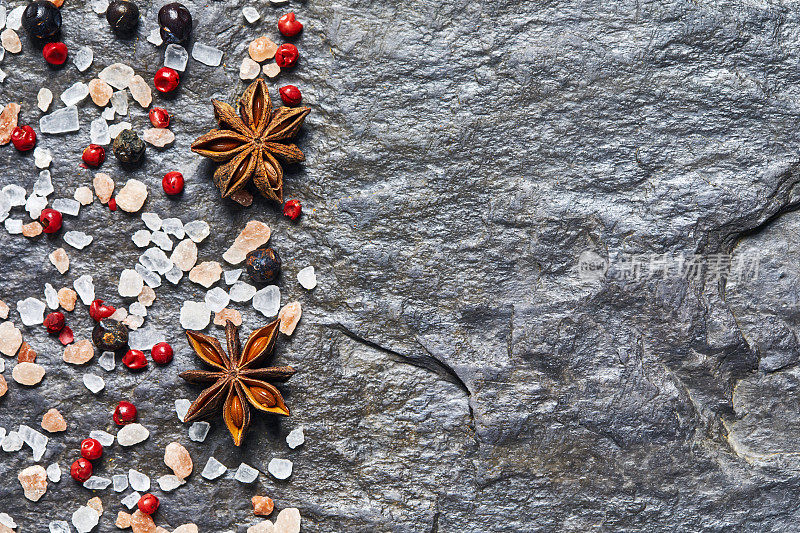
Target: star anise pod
x,y
235,382
252,143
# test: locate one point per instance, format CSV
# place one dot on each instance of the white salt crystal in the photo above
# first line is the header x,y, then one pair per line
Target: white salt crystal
x,y
267,301
131,500
50,296
119,102
97,483
137,309
154,37
118,75
44,98
108,113
250,14
198,431
59,526
100,6
31,311
98,132
307,278
249,69
169,482
156,260
194,315
197,230
145,338
280,468
2,25
152,221
44,184
53,472
162,240
67,206
242,292
245,474
174,275
120,482
42,157
34,205
83,58
176,57
141,238
232,276
107,361
278,2
14,18
139,482
13,226
103,437
85,288
3,74
2,430
115,129
94,382
35,440
151,279
132,434
213,469
12,442
78,239
208,55
181,408
15,194
60,121
173,226
85,518
130,283
217,299
5,207
295,438
75,94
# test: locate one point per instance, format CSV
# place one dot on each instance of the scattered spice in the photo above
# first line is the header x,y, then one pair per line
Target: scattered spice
x,y
128,149
263,265
292,209
41,19
55,53
123,17
289,26
81,470
94,155
166,80
175,23
286,55
159,117
23,138
125,413
290,95
134,360
91,449
172,183
161,353
148,504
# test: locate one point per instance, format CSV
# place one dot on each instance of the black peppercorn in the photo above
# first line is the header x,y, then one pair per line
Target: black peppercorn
x,y
128,147
123,17
41,19
176,23
263,265
110,335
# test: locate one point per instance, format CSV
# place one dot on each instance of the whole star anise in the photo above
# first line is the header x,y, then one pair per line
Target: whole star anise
x,y
251,143
236,384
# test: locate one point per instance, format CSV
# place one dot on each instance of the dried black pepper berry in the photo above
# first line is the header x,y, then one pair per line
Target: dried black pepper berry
x,y
123,17
41,19
176,23
263,265
110,335
128,147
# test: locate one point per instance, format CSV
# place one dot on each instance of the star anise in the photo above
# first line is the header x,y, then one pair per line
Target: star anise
x,y
236,384
251,143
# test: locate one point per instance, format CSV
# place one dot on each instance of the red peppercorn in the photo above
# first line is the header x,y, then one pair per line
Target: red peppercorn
x,y
81,470
125,413
98,310
290,95
134,359
166,80
50,220
292,209
172,183
159,117
54,322
286,55
112,204
148,504
66,336
289,26
55,53
24,138
94,155
161,353
91,449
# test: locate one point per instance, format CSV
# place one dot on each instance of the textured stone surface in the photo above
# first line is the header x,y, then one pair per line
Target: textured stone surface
x,y
454,372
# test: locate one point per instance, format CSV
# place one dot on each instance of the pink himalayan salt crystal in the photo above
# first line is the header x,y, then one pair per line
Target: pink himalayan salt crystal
x,y
262,527
10,41
10,339
67,298
242,197
262,49
160,529
271,70
140,91
147,296
133,322
53,421
4,309
34,482
262,505
57,3
142,523
26,354
249,69
184,256
123,520
289,316
84,195
97,504
32,229
60,260
178,459
79,353
120,314
103,187
100,92
132,196
253,235
159,137
206,273
228,314
5,529
8,121
3,386
288,521
186,528
28,374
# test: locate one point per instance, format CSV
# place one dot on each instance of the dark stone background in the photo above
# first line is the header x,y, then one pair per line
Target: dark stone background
x,y
455,372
